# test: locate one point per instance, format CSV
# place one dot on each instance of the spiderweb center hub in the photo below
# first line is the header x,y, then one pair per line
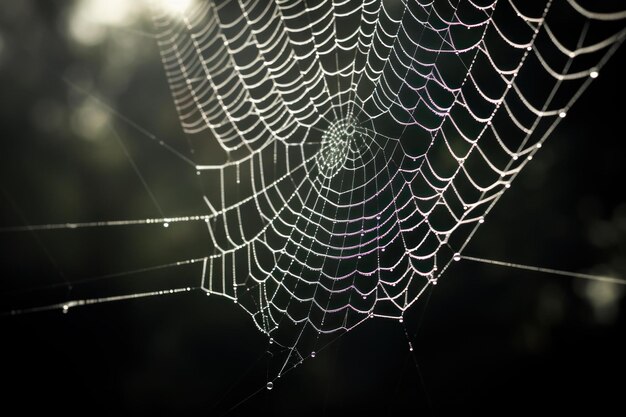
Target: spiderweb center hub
x,y
336,142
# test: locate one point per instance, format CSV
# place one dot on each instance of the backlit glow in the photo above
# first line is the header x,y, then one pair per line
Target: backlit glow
x,y
175,6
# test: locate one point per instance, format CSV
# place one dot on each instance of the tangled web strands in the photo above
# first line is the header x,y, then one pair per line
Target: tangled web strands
x,y
365,141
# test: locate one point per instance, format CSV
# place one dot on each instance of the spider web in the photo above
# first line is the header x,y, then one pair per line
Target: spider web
x,y
366,141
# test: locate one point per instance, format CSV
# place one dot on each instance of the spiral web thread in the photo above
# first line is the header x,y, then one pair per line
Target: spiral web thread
x,y
366,141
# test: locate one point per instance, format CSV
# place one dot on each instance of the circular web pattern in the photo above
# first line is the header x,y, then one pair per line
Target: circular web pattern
x,y
365,141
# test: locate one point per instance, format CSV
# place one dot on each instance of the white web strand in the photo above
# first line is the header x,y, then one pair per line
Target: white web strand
x,y
610,280
365,141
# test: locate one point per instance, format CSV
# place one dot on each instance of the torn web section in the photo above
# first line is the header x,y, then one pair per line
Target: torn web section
x,y
252,201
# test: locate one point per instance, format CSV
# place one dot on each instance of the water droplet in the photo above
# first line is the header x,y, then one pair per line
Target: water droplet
x,y
594,73
271,341
457,257
562,114
270,385
166,224
481,220
65,308
313,354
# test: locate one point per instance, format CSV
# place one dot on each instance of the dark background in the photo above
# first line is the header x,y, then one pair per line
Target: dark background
x,y
487,339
